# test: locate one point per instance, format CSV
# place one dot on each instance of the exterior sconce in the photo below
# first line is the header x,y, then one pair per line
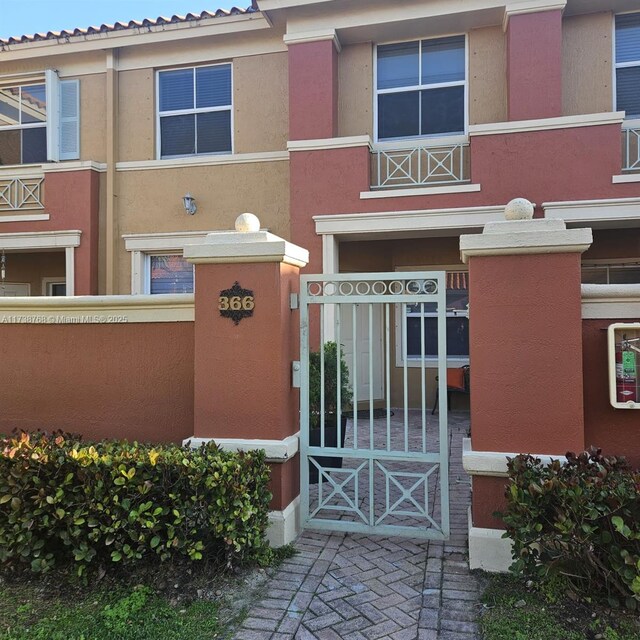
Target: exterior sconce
x,y
189,204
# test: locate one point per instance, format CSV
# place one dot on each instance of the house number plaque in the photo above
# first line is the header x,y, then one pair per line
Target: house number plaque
x,y
236,303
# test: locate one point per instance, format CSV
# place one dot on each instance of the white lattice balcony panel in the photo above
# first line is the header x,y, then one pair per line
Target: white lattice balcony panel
x,y
420,166
631,149
21,194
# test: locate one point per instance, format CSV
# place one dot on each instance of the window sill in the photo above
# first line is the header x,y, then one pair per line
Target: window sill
x,y
627,177
401,192
204,160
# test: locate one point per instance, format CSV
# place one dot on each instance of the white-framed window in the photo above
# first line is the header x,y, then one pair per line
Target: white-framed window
x,y
611,272
168,273
39,119
54,287
627,64
421,88
457,280
195,111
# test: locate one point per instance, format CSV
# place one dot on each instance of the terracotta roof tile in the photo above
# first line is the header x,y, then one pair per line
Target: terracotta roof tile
x,y
132,24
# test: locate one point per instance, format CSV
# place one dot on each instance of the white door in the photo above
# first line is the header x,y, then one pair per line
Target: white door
x,y
12,290
364,348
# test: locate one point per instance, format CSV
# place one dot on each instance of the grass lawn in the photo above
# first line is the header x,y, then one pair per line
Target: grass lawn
x,y
515,612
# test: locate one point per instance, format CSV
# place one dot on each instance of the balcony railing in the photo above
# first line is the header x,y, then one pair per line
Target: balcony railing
x,y
420,166
21,194
631,149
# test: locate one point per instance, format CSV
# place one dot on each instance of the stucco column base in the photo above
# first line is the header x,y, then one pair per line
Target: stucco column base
x,y
243,394
525,334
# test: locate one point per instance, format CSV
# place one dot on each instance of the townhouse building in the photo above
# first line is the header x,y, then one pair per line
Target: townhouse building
x,y
372,133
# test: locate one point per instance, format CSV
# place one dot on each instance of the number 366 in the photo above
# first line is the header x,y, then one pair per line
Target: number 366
x,y
235,303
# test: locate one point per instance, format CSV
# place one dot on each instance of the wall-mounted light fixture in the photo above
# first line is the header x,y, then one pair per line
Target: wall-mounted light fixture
x,y
189,204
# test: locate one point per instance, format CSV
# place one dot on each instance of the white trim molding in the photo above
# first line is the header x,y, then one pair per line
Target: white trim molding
x,y
546,124
224,247
610,301
401,223
204,161
488,550
329,143
30,217
27,240
284,526
601,213
525,237
626,178
97,309
494,463
531,6
304,37
275,450
421,191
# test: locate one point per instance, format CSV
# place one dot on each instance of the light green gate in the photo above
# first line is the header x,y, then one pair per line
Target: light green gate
x,y
383,468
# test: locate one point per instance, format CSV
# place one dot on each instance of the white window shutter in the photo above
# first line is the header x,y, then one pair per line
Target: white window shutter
x,y
69,119
52,87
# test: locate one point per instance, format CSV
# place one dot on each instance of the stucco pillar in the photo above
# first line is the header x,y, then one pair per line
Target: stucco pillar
x,y
313,88
246,338
525,351
534,65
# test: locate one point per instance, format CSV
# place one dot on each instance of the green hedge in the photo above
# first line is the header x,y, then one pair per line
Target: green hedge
x,y
579,521
64,501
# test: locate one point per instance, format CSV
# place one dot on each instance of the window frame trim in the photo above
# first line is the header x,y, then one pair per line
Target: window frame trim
x,y
431,362
621,65
194,111
430,138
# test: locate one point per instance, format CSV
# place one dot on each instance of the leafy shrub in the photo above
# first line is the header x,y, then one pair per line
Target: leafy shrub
x,y
65,501
330,383
580,520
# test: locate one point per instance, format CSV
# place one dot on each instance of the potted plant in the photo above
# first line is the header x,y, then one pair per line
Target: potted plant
x,y
330,408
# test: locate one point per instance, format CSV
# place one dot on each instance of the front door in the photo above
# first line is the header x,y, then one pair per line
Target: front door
x,y
377,469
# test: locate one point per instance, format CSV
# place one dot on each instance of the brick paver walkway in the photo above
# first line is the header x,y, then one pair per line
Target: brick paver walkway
x,y
364,587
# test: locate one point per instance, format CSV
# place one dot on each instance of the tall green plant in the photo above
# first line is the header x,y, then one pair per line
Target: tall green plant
x,y
330,383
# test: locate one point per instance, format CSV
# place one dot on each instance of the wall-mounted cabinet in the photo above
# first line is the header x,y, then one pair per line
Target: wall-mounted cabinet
x,y
624,365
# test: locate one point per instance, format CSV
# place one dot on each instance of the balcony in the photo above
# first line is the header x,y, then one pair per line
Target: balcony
x,y
21,194
419,166
631,147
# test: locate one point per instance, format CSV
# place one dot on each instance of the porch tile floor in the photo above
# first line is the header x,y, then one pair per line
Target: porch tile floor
x,y
359,587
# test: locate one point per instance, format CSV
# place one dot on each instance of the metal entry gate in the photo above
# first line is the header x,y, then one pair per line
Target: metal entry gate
x,y
376,462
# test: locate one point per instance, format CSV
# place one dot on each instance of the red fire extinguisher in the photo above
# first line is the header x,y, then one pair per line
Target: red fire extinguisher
x,y
626,370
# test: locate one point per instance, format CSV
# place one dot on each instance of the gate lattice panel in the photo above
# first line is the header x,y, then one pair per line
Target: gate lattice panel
x,y
382,469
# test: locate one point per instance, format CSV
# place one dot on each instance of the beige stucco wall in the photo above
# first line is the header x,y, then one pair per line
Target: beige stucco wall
x,y
587,73
261,103
151,201
487,75
136,115
355,90
32,267
93,117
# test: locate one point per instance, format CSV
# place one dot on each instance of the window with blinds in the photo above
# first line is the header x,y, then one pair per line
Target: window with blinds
x,y
170,274
421,88
628,64
194,111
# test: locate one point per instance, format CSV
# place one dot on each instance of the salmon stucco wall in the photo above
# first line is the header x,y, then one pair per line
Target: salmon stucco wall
x,y
615,431
131,381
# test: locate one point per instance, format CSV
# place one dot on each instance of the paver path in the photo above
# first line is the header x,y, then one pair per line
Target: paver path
x,y
355,586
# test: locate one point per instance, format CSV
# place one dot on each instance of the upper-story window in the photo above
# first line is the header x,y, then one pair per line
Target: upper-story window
x,y
23,124
194,111
628,64
421,87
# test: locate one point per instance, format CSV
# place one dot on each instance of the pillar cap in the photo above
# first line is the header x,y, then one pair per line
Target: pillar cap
x,y
522,237
246,245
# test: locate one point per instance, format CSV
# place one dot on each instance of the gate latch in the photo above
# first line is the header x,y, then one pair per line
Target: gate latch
x,y
295,374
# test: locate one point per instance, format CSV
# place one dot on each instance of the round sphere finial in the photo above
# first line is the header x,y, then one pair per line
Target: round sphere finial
x,y
247,223
519,209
